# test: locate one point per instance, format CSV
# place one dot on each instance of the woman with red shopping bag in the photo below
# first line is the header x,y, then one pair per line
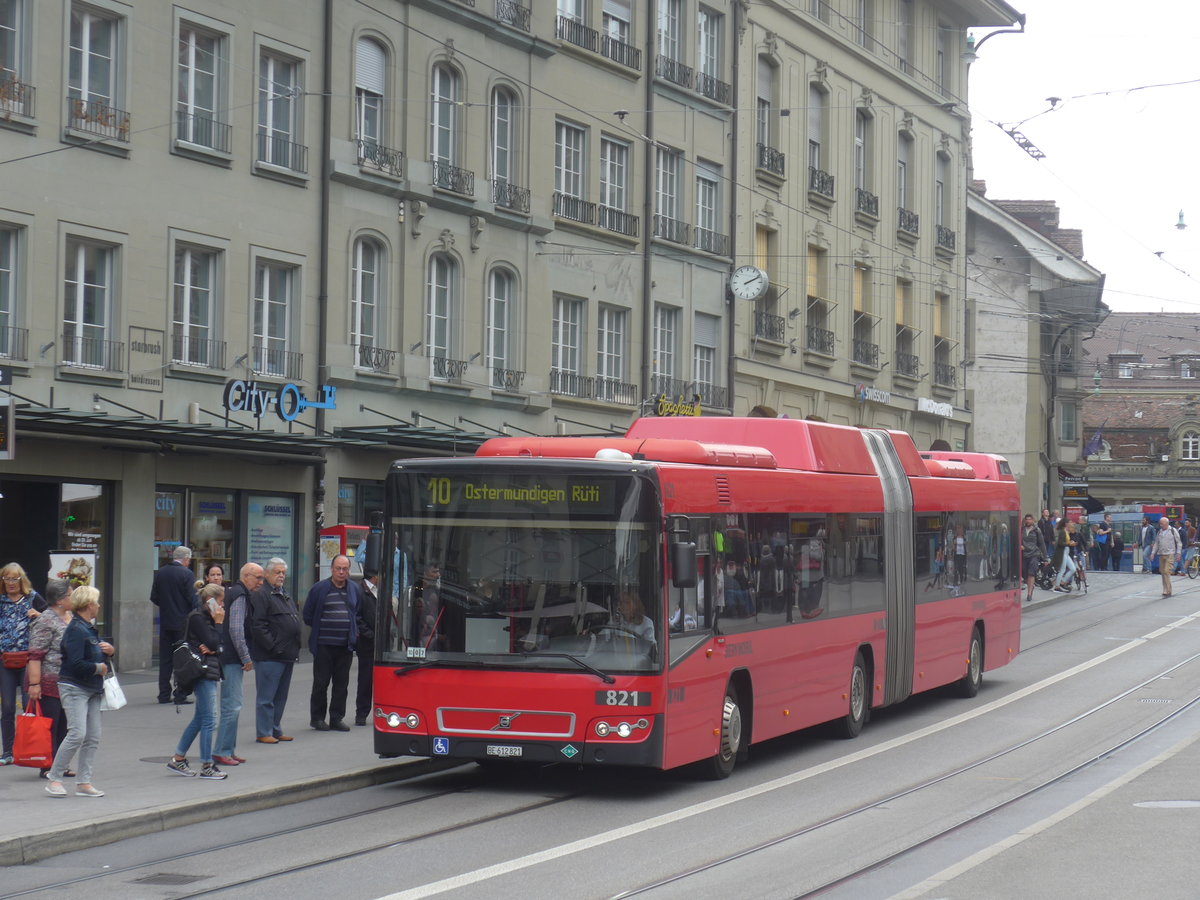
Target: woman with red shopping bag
x,y
45,662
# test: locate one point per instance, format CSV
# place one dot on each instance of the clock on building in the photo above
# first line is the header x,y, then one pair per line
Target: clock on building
x,y
748,282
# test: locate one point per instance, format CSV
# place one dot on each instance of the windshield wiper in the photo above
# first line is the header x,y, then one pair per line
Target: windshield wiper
x,y
603,676
412,667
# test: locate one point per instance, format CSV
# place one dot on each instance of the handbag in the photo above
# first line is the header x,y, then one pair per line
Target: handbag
x,y
32,744
16,659
188,667
114,696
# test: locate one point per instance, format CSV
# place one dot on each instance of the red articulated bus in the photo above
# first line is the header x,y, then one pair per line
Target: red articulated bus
x,y
682,592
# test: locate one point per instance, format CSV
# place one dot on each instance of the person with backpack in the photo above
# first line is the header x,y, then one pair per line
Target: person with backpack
x,y
1165,549
202,632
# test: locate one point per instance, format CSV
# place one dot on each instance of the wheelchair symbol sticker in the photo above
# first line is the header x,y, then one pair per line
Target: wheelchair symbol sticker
x,y
441,746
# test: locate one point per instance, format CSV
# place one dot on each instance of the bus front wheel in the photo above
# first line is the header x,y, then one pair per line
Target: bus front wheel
x,y
858,701
730,735
968,685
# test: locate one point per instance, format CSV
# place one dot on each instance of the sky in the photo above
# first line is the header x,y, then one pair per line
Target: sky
x,y
1121,152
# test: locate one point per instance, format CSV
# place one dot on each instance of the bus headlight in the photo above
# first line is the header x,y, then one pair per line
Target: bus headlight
x,y
394,720
624,729
602,729
412,720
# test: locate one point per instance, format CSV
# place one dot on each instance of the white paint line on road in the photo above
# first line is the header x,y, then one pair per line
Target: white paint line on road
x,y
589,843
960,868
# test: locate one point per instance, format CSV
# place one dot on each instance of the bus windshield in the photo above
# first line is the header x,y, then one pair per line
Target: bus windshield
x,y
516,565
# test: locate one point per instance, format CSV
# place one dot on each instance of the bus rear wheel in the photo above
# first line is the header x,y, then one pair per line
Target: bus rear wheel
x,y
721,765
858,701
968,685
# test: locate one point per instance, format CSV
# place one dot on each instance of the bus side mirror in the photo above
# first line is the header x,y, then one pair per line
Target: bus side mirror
x,y
372,559
683,564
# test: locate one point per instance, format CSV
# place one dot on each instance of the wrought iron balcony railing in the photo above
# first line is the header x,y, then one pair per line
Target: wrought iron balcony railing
x,y
16,97
770,160
619,51
908,221
866,202
509,196
92,353
819,339
711,242
615,391
713,88
866,353
513,14
509,380
574,208
374,359
672,229
578,34
204,131
375,155
770,326
453,178
908,364
192,351
820,182
14,343
448,369
710,395
276,363
98,118
592,387
945,238
945,374
673,71
279,151
619,221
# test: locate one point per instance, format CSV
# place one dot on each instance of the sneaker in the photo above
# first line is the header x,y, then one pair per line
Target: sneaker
x,y
209,770
55,789
181,767
6,760
88,790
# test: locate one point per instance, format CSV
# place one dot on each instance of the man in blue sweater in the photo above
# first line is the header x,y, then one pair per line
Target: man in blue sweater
x,y
331,611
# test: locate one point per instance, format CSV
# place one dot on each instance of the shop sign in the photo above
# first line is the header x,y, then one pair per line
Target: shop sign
x,y
679,407
287,400
146,360
864,393
934,408
8,429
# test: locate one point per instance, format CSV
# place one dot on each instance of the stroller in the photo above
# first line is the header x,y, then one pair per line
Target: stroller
x,y
1045,576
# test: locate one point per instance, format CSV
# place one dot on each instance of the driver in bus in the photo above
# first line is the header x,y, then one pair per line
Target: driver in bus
x,y
431,610
631,616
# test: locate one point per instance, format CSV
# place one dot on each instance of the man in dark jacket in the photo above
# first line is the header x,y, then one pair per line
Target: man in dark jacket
x,y
365,648
235,662
273,629
331,610
174,593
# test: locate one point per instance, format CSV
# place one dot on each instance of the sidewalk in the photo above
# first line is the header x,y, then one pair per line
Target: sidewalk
x,y
142,796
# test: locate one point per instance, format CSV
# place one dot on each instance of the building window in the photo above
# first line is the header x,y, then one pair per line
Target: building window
x,y
366,274
499,319
940,196
445,93
1067,423
816,125
610,343
504,133
666,192
200,105
1124,370
615,20
864,22
566,335
93,76
666,328
668,28
708,43
904,36
1185,370
13,47
706,335
903,150
370,78
568,159
708,196
439,314
1191,447
944,65
574,10
87,305
764,102
862,151
194,307
12,340
614,173
274,293
280,94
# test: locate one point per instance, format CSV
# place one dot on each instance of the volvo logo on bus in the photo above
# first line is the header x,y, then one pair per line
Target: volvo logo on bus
x,y
506,721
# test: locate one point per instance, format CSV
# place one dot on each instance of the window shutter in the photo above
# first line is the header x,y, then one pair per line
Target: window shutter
x,y
370,65
705,330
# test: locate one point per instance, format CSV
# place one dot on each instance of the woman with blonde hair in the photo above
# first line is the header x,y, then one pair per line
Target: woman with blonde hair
x,y
20,604
80,688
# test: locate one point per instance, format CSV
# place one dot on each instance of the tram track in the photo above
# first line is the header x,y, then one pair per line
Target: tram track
x,y
882,802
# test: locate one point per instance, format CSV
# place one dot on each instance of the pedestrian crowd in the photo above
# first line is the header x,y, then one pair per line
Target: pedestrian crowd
x,y
210,637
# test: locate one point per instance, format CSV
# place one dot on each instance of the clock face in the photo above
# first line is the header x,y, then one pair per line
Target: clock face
x,y
748,282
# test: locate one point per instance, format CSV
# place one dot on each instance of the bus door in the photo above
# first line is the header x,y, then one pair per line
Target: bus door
x,y
900,585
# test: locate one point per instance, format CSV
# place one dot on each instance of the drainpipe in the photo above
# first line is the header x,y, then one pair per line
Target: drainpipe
x,y
741,24
648,215
323,266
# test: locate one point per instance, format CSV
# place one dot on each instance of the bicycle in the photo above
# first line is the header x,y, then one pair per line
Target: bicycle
x,y
1192,566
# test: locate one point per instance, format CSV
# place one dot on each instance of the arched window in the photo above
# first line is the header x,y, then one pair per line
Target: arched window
x,y
445,94
366,291
500,322
504,136
441,288
370,74
1191,446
